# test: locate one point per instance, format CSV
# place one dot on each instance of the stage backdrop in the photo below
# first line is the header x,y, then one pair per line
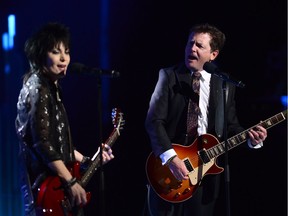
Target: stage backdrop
x,y
137,38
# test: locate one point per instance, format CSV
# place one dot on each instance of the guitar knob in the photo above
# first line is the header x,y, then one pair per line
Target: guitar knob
x,y
177,195
187,190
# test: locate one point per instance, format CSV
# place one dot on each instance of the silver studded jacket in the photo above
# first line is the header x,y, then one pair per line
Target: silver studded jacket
x,y
42,126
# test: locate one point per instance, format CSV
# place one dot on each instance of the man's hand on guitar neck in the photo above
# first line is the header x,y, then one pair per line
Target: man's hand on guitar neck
x,y
257,136
178,168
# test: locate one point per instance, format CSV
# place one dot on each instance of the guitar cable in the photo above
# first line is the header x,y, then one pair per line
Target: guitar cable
x,y
148,199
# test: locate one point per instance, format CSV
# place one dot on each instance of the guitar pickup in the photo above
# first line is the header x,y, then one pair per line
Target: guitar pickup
x,y
204,157
188,164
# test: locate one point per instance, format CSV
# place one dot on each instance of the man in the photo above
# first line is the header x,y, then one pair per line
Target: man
x,y
167,121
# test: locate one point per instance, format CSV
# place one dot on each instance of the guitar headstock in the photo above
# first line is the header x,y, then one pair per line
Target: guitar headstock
x,y
117,118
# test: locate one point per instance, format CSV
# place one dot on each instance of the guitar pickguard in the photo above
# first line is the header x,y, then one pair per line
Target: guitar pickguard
x,y
198,173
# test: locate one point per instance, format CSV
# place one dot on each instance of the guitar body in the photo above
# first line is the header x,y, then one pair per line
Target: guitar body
x,y
52,198
167,186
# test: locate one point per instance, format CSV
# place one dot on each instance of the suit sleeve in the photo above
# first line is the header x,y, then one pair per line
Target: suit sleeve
x,y
156,118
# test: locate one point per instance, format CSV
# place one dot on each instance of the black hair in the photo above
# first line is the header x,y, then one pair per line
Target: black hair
x,y
43,41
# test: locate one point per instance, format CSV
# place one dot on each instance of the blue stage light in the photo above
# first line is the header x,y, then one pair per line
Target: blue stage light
x,y
5,41
8,38
284,100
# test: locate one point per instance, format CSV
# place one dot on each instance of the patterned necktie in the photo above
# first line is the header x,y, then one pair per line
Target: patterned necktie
x,y
193,107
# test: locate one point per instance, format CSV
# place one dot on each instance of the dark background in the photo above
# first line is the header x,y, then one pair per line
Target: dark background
x,y
137,38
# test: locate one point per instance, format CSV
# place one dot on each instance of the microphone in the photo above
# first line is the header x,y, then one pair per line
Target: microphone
x,y
83,69
213,69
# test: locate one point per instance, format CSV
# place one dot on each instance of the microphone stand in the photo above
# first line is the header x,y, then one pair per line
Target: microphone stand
x,y
226,166
211,68
102,185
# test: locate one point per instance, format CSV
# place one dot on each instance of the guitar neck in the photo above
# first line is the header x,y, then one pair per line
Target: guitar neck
x,y
96,162
243,136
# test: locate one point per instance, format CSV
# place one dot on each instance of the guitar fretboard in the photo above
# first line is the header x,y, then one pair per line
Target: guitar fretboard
x,y
243,136
96,163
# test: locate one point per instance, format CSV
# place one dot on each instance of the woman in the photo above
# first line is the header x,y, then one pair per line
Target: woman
x,y
42,124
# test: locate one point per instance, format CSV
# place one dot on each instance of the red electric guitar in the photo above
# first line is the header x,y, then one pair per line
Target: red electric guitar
x,y
200,160
52,198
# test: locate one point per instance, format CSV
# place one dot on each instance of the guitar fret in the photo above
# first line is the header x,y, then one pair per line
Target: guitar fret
x,y
216,150
220,148
272,121
213,153
243,136
209,153
231,142
269,123
112,138
276,119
